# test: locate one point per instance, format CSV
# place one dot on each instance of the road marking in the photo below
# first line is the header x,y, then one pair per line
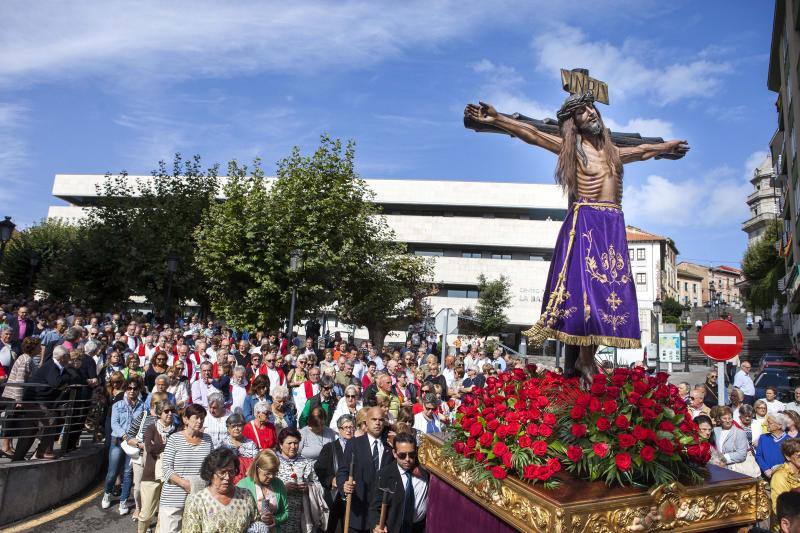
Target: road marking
x,y
719,339
56,513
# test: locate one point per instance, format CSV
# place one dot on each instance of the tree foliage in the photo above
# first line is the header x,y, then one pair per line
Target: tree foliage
x,y
762,268
317,204
494,296
671,308
136,226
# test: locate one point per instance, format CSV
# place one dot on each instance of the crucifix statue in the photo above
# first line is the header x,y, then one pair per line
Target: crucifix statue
x,y
590,296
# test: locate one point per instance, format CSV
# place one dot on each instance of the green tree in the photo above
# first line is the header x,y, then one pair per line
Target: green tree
x,y
137,225
318,205
494,296
53,246
762,268
387,290
670,307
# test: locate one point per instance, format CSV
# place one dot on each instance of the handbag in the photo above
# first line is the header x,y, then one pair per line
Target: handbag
x,y
748,467
131,451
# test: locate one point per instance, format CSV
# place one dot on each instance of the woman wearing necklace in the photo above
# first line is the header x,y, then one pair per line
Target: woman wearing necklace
x,y
269,492
315,435
244,448
768,453
260,430
297,473
157,367
282,414
181,461
155,438
222,507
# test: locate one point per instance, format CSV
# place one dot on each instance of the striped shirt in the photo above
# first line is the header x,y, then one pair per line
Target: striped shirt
x,y
184,459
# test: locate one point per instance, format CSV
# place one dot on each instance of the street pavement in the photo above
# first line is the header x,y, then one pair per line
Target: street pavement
x,y
88,517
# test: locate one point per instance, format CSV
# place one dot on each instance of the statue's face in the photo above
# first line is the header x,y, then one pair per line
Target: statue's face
x,y
588,121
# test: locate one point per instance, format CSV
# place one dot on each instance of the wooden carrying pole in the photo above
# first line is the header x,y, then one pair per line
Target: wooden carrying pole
x,y
349,498
384,507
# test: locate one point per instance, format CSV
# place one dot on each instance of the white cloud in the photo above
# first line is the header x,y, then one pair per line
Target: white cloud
x,y
753,161
626,73
14,151
648,127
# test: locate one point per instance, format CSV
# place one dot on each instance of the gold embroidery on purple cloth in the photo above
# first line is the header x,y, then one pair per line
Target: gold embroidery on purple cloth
x,y
611,261
613,301
587,309
614,320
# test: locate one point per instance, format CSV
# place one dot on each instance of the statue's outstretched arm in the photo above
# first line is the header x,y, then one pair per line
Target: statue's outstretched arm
x,y
643,152
486,114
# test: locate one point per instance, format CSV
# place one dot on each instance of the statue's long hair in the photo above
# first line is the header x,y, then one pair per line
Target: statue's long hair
x,y
567,167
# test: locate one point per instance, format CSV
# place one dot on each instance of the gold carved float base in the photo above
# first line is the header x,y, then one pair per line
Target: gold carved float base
x,y
726,500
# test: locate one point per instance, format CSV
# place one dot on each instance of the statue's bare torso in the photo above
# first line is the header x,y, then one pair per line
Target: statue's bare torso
x,y
596,179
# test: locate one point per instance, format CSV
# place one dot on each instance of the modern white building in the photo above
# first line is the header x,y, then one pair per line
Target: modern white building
x,y
469,228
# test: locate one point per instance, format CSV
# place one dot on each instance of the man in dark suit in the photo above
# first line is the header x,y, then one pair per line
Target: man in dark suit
x,y
21,327
370,453
326,467
407,486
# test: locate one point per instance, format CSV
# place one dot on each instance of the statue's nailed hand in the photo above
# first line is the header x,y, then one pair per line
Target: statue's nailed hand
x,y
482,112
679,147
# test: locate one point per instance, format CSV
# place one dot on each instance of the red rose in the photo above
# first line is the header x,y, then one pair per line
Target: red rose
x,y
598,385
553,464
549,419
619,379
578,430
626,440
648,453
542,402
499,472
623,461
595,405
646,402
479,457
532,430
621,422
529,472
486,439
648,414
507,459
583,400
612,392
493,424
665,445
459,447
534,413
545,431
471,443
574,453
525,441
609,407
499,449
633,398
603,424
513,428
539,448
666,426
661,393
576,413
639,433
600,449
543,473
475,430
640,387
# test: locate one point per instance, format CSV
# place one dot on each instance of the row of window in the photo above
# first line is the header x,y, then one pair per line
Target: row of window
x,y
640,254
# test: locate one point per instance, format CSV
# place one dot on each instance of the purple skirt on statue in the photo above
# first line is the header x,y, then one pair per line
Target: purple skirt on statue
x,y
590,297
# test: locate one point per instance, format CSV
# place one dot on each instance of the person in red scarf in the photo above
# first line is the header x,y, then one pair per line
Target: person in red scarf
x,y
260,430
191,364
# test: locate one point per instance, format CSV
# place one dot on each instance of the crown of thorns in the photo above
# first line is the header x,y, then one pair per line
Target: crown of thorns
x,y
573,103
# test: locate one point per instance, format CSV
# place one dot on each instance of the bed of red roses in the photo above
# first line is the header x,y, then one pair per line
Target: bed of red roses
x,y
629,428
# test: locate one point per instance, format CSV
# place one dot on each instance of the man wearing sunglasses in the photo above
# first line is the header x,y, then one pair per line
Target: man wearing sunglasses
x,y
408,503
325,399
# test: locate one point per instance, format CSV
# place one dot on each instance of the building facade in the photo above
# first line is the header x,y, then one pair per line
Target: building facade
x,y
724,285
782,78
690,287
762,202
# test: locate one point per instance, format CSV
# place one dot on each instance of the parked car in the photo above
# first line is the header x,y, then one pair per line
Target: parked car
x,y
781,364
784,381
628,357
772,357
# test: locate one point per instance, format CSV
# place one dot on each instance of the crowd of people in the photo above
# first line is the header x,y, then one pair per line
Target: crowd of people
x,y
209,429
759,437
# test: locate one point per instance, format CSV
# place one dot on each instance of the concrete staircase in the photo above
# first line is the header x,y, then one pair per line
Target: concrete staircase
x,y
755,343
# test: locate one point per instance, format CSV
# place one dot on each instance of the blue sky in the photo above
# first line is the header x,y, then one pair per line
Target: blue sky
x,y
90,87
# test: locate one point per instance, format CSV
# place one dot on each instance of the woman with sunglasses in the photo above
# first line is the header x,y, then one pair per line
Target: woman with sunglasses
x,y
349,404
269,492
123,413
178,384
158,365
221,507
155,438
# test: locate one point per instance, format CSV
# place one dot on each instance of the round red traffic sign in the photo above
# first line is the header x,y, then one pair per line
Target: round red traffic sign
x,y
720,340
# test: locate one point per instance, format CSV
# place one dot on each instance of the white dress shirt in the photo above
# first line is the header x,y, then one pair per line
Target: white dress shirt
x,y
744,383
372,440
420,493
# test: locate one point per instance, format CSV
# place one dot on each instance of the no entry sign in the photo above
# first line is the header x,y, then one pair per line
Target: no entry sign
x,y
720,340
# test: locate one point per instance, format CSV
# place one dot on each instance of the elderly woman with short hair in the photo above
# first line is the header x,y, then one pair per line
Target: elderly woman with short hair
x,y
260,430
768,453
178,385
259,392
215,426
731,441
349,404
297,473
245,448
221,507
281,414
748,424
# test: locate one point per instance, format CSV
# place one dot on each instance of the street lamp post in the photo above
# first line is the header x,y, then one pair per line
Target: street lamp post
x,y
34,261
172,267
657,311
686,328
295,264
712,290
6,230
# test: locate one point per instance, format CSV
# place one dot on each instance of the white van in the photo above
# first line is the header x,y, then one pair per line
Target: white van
x,y
627,357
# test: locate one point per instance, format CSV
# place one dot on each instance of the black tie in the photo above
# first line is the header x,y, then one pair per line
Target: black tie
x,y
408,505
375,457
